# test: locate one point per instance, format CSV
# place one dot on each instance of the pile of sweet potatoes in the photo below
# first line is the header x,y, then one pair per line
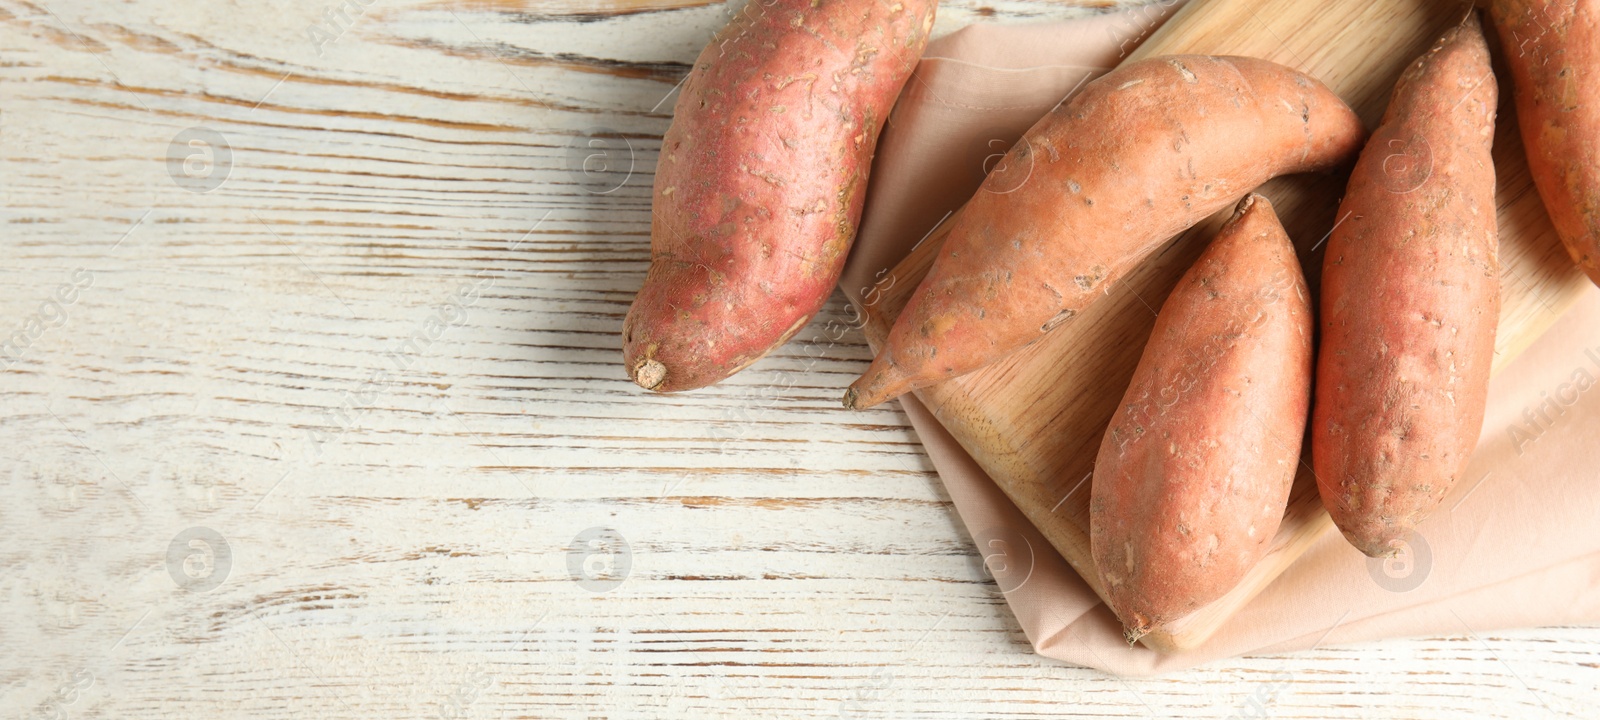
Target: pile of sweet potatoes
x,y
760,187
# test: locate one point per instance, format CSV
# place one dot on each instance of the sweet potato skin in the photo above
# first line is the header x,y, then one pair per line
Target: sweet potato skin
x,y
1194,471
1553,51
1141,154
1410,301
761,181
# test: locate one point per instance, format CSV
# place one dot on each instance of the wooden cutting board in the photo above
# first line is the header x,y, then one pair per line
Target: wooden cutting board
x,y
1034,420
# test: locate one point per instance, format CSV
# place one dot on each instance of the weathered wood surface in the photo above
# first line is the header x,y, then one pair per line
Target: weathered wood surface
x,y
378,358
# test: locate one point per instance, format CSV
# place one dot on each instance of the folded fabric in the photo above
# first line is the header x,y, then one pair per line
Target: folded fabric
x,y
1515,545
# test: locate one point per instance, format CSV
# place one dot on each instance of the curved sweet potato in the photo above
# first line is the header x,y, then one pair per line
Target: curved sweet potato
x,y
1194,471
1142,153
1410,300
761,181
1552,48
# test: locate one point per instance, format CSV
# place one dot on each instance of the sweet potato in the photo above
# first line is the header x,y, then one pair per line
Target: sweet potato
x,y
1144,152
761,181
1552,48
1195,468
1410,300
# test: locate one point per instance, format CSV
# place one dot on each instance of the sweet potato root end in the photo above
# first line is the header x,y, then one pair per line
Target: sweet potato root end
x,y
883,381
648,373
1382,546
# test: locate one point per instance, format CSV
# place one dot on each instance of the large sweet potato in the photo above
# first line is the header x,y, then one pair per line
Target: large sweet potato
x,y
1144,152
1552,48
1410,300
1194,471
761,181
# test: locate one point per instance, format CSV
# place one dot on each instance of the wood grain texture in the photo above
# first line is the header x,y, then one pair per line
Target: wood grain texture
x,y
380,361
1065,387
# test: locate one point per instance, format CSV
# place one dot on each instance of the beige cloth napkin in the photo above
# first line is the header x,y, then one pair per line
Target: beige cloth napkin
x,y
1515,545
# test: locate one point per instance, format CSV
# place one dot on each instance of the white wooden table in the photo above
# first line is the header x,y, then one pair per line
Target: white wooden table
x,y
313,407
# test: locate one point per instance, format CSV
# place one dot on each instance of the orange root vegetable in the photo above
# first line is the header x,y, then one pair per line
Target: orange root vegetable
x,y
1410,300
1552,48
761,181
1141,154
1195,469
